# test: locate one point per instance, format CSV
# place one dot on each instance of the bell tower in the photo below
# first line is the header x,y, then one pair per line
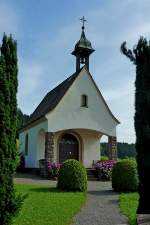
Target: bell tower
x,y
83,49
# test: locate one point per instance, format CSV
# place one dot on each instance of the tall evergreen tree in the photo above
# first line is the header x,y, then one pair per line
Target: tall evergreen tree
x,y
9,202
140,56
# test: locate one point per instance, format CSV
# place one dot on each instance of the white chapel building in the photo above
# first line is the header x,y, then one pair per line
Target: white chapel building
x,y
71,119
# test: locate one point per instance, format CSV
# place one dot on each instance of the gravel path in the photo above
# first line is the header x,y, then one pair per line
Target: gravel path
x,y
25,178
101,207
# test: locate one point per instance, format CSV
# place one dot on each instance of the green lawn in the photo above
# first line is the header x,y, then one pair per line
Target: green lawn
x,y
47,206
128,206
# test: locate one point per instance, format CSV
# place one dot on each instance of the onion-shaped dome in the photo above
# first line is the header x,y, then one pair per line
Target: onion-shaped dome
x,y
83,46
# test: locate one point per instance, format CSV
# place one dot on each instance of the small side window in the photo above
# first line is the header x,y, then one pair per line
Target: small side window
x,y
84,100
26,144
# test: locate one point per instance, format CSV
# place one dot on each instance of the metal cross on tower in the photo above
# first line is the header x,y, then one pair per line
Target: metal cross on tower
x,y
83,49
83,21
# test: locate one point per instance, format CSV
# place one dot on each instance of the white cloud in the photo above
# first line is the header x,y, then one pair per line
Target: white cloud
x,y
122,91
9,20
31,76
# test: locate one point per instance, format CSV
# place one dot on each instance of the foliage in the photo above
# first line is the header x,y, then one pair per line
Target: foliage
x,y
22,119
72,176
128,203
53,169
47,205
9,202
104,169
124,176
103,158
123,150
140,56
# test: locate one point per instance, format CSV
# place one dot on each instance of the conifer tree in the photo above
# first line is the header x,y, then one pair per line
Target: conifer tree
x,y
140,56
9,202
22,119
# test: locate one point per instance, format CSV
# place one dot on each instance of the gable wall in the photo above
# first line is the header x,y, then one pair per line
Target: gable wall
x,y
69,114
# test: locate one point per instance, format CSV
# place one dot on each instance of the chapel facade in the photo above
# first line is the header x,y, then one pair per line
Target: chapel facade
x,y
71,119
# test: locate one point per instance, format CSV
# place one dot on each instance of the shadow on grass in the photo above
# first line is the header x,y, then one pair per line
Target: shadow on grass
x,y
45,189
50,189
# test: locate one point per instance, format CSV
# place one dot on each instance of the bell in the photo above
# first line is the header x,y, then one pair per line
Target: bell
x,y
82,60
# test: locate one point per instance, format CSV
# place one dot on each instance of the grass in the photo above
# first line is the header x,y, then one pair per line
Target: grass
x,y
46,205
128,206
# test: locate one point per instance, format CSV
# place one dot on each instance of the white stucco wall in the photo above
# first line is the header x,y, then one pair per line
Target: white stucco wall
x,y
89,145
34,144
69,114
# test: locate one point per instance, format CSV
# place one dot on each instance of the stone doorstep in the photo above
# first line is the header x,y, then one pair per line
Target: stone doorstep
x,y
143,219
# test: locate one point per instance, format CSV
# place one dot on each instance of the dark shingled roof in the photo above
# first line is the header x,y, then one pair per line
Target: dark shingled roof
x,y
52,98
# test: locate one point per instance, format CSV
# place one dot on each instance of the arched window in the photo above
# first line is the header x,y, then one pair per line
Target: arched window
x,y
84,100
26,144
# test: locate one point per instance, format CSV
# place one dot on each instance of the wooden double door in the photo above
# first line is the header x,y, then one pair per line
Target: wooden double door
x,y
68,148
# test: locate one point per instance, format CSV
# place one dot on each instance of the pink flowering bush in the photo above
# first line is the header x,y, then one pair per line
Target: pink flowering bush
x,y
53,169
104,169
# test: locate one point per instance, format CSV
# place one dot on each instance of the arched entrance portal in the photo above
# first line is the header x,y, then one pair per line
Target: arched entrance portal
x,y
68,148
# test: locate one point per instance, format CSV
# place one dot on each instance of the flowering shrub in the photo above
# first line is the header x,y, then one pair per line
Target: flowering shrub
x,y
104,169
53,169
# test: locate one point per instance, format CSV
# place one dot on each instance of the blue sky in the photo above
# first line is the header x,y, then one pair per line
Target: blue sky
x,y
46,32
